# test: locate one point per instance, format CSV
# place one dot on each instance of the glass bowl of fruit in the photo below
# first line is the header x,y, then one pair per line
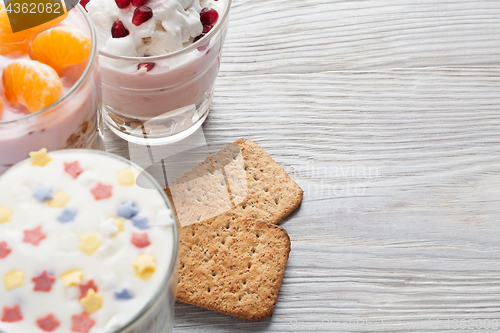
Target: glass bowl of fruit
x,y
50,94
159,61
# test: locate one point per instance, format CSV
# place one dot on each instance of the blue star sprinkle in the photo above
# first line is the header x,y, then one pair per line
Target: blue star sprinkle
x,y
124,294
68,215
43,193
140,222
127,210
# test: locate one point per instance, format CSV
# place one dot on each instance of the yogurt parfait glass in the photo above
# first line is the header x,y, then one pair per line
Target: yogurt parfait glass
x,y
73,121
165,98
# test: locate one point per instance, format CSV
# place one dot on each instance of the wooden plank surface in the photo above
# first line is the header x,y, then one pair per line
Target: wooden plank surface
x,y
387,114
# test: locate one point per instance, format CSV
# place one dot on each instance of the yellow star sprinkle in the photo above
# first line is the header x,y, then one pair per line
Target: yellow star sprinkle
x,y
126,177
60,199
118,223
92,302
72,278
145,266
89,243
40,158
5,214
14,279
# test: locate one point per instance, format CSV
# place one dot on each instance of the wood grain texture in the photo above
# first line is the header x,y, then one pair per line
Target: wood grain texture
x,y
387,114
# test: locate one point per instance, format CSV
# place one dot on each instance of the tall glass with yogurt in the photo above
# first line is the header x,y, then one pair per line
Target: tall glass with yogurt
x,y
73,121
84,247
158,77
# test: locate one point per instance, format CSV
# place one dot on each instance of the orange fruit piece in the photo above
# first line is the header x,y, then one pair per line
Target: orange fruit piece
x,y
1,108
18,44
32,84
61,47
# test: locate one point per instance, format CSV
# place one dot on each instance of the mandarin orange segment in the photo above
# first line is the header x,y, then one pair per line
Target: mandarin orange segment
x,y
1,109
32,84
61,47
18,44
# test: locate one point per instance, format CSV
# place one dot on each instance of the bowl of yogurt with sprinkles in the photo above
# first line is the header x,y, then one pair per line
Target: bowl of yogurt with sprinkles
x,y
84,248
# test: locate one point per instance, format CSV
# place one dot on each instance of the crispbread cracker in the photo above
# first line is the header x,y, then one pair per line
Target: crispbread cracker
x,y
232,264
242,178
199,194
272,194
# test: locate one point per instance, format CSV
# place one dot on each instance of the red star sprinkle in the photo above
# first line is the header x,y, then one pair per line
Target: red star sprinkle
x,y
12,314
140,240
4,250
101,191
82,323
84,288
48,323
73,169
34,236
43,282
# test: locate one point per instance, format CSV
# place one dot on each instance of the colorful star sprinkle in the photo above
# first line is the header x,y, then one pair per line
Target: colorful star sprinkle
x,y
43,282
89,243
82,323
60,200
13,279
140,222
73,169
92,302
4,250
101,191
40,158
72,278
85,287
126,177
34,236
127,210
5,215
11,314
123,295
43,193
67,215
49,323
140,240
119,223
145,266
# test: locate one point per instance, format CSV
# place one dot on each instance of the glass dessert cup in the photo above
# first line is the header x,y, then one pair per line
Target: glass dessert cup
x,y
157,314
74,121
171,100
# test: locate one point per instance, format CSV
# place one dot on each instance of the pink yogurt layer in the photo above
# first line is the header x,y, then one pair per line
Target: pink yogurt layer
x,y
170,85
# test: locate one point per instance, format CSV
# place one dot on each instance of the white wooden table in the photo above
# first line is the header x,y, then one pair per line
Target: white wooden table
x,y
387,114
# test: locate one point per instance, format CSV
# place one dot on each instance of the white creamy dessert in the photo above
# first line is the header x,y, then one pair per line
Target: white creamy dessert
x,y
82,247
174,24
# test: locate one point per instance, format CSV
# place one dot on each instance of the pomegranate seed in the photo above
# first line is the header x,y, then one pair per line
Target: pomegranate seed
x,y
84,3
141,15
208,16
148,65
197,38
118,30
138,3
122,3
207,28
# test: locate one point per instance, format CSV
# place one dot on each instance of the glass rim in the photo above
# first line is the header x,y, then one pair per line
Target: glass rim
x,y
79,82
175,253
195,45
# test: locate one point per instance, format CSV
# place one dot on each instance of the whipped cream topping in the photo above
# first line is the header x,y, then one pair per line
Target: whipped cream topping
x,y
174,25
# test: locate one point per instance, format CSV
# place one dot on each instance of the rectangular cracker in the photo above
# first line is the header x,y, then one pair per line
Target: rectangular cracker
x,y
272,194
242,178
199,194
233,265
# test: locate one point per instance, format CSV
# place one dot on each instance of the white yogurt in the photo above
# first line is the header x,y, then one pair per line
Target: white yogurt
x,y
106,257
